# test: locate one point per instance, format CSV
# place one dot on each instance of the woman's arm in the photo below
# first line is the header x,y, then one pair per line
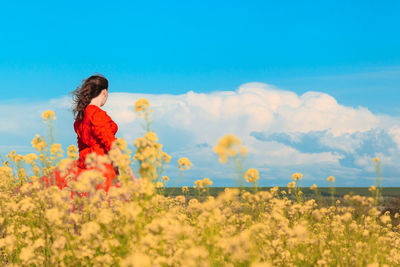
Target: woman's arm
x,y
104,134
101,128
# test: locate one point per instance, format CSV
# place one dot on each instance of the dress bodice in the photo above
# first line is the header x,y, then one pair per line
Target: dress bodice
x,y
95,133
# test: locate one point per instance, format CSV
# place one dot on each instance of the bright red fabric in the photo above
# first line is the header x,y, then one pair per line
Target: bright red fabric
x,y
95,133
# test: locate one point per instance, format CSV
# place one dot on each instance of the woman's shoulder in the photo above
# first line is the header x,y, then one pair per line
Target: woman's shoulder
x,y
95,113
93,109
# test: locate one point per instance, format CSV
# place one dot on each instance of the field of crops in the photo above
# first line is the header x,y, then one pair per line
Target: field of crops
x,y
146,223
340,192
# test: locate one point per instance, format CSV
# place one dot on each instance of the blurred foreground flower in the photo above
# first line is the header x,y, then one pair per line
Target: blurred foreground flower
x,y
202,183
297,176
229,146
141,104
48,114
38,143
251,175
313,187
184,162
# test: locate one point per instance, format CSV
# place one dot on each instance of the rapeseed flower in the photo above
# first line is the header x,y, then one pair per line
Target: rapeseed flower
x,y
136,225
229,146
184,162
185,189
297,176
251,175
141,104
31,158
207,182
120,143
151,136
291,184
330,179
56,148
159,184
38,143
372,188
198,184
71,152
313,187
48,114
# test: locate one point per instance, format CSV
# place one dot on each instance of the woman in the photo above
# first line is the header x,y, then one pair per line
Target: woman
x,y
95,132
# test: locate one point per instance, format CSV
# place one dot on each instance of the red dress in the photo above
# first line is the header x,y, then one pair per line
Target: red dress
x,y
95,133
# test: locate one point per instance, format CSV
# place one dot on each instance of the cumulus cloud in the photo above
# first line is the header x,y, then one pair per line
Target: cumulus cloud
x,y
283,131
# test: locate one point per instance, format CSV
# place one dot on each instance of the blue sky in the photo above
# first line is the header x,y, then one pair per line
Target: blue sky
x,y
346,49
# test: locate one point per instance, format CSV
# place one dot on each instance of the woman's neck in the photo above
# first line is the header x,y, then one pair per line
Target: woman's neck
x,y
95,102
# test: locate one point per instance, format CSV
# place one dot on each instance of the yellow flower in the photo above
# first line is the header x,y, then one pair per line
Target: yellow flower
x,y
151,136
207,182
5,171
251,175
36,169
376,160
38,143
185,189
228,146
105,216
48,114
71,152
31,158
15,157
120,143
184,162
330,179
159,184
166,157
299,231
27,254
54,216
297,176
55,148
274,190
165,178
89,230
141,104
202,183
198,184
372,188
136,259
291,184
313,187
385,219
64,165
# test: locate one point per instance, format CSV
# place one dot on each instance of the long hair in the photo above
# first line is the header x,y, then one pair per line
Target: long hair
x,y
82,95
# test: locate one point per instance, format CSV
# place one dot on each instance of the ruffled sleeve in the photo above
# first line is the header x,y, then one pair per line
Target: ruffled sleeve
x,y
102,127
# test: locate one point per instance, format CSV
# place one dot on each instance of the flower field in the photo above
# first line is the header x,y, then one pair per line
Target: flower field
x,y
138,224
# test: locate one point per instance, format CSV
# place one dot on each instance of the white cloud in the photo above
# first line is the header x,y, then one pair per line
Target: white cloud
x,y
190,124
395,133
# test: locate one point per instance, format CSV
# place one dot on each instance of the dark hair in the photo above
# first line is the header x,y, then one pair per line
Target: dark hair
x,y
82,95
